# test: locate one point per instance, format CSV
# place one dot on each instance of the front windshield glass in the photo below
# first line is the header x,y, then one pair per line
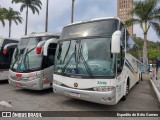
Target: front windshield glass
x,y
88,57
25,57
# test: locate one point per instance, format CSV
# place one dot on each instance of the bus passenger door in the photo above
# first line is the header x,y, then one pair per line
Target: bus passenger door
x,y
48,64
121,72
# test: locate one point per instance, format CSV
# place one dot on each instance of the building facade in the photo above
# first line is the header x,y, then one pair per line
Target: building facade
x,y
123,9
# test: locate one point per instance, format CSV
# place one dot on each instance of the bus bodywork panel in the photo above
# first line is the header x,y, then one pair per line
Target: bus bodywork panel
x,y
5,59
85,89
37,80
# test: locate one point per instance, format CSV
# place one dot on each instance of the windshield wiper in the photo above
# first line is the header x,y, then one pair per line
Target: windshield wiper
x,y
63,70
85,63
25,57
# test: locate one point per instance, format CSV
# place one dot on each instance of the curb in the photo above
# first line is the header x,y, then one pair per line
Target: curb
x,y
156,90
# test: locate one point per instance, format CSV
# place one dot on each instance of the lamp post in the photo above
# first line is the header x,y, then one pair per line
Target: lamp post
x,y
46,25
72,14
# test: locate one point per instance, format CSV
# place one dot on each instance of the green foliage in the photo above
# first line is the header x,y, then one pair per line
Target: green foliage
x,y
32,4
153,48
12,15
3,12
153,53
147,14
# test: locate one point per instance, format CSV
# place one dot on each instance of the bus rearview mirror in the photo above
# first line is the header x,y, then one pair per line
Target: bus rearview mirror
x,y
115,42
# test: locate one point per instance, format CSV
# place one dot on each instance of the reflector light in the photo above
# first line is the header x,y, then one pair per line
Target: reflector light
x,y
38,50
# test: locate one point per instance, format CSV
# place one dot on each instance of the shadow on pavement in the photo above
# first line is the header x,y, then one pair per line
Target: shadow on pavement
x,y
3,82
34,92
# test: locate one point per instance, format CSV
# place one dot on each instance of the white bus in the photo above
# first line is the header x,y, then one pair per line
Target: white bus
x,y
93,63
5,58
29,68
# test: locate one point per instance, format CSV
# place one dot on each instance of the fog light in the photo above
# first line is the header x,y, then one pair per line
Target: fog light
x,y
34,85
110,98
104,99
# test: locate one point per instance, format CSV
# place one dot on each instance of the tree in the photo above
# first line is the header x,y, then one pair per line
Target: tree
x,y
12,15
3,12
32,4
147,14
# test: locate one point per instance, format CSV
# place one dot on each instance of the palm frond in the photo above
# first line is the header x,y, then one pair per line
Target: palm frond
x,y
156,27
22,7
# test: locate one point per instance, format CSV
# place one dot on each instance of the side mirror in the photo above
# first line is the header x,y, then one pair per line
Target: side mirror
x,y
8,46
46,45
115,42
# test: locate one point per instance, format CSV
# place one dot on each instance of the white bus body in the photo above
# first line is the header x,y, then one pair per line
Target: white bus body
x,y
5,59
93,63
30,68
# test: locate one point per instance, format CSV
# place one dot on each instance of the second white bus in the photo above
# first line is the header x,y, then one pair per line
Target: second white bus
x,y
30,69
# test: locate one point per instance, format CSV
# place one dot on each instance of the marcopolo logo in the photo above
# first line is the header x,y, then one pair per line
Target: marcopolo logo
x,y
75,84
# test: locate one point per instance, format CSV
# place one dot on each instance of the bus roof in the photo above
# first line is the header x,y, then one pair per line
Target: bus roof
x,y
34,34
4,38
91,20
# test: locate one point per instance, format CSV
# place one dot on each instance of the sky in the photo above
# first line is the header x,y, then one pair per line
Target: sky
x,y
60,15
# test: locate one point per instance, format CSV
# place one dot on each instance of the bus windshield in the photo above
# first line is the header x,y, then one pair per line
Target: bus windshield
x,y
85,57
25,57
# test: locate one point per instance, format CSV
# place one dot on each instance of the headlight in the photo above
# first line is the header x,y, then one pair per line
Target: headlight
x,y
104,88
57,82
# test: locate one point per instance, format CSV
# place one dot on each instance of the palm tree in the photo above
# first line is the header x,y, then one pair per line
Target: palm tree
x,y
3,12
12,15
147,15
32,4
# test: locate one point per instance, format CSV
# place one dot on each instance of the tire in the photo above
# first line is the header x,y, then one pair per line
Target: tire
x,y
139,80
127,91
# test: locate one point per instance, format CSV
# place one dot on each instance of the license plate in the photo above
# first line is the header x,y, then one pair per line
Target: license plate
x,y
75,94
18,84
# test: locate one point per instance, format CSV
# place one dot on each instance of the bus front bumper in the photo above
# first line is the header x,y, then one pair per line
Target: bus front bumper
x,y
107,98
32,85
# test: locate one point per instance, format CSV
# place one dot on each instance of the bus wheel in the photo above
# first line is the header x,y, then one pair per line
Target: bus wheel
x,y
127,91
139,79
